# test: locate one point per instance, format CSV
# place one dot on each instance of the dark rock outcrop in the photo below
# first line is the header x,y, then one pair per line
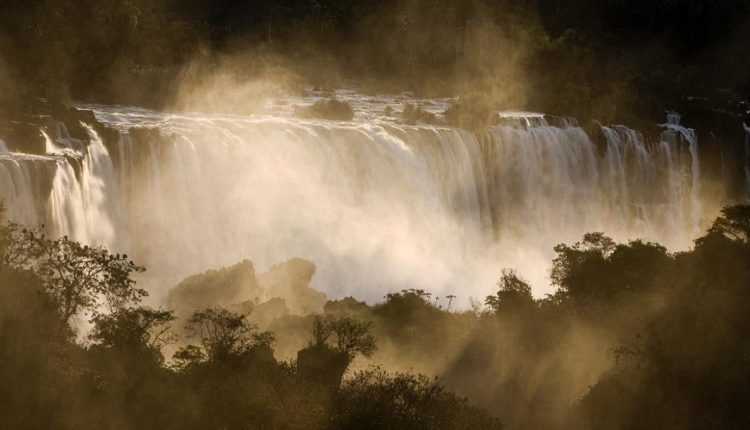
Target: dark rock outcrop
x,y
224,287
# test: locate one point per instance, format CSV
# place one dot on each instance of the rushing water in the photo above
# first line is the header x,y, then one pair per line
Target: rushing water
x,y
376,205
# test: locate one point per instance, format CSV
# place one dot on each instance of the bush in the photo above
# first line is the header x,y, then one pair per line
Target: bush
x,y
373,399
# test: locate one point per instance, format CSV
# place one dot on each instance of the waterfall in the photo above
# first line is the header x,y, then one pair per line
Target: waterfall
x,y
654,187
97,192
67,209
376,205
369,203
673,136
24,184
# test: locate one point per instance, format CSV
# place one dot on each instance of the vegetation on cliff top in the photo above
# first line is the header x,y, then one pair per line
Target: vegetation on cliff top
x,y
612,60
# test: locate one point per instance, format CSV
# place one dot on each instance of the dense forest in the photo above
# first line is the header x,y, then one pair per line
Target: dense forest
x,y
613,60
657,336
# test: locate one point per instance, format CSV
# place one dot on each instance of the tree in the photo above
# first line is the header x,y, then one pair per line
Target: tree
x,y
187,356
17,245
638,266
418,294
514,293
36,351
374,399
137,331
224,334
78,278
578,270
734,224
351,336
450,298
405,314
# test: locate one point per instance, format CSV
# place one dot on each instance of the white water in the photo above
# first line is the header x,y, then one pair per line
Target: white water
x,y
22,186
675,133
376,205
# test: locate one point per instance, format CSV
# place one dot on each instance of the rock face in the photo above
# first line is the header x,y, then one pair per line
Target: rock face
x,y
263,314
333,109
20,124
261,356
283,290
322,366
224,287
290,281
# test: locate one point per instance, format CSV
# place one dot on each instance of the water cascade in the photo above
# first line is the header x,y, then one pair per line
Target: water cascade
x,y
25,185
378,206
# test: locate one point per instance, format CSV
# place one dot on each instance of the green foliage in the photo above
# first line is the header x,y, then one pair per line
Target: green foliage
x,y
407,312
187,357
224,334
598,269
351,336
674,326
78,278
139,331
373,399
612,60
734,224
514,294
41,373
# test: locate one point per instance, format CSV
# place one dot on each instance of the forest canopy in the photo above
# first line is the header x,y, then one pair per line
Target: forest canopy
x,y
634,337
613,60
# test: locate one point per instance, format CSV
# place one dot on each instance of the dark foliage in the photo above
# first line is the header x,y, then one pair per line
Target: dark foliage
x,y
78,278
374,399
671,327
612,60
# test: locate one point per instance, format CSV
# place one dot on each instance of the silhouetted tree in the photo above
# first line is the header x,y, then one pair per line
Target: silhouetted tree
x,y
42,371
188,356
675,325
513,294
350,336
225,334
579,271
374,399
78,278
450,298
135,331
734,223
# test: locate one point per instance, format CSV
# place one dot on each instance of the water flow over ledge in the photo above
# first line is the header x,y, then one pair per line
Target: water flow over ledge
x,y
376,205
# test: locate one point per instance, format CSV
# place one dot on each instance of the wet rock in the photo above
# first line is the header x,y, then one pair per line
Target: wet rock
x,y
332,109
